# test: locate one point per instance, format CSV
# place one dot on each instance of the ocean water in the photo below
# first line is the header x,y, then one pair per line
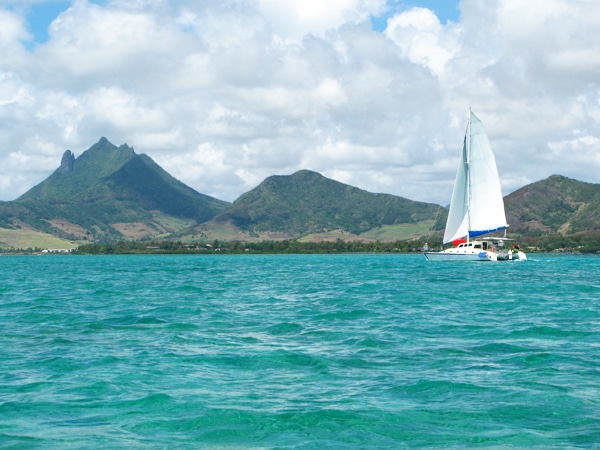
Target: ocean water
x,y
298,351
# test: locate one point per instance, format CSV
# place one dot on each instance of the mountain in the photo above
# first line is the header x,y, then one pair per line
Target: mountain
x,y
109,193
307,202
555,205
112,193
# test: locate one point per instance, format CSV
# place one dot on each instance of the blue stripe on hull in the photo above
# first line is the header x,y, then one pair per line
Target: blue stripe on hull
x,y
439,256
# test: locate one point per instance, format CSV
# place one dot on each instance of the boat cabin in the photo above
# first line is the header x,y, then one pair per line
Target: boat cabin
x,y
481,245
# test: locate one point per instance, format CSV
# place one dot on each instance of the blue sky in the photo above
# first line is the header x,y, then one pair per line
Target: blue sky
x,y
40,16
445,10
372,93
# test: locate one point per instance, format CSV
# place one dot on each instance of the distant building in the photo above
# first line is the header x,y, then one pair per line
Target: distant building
x,y
59,250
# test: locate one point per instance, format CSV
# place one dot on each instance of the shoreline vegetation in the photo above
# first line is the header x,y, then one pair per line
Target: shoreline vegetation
x,y
583,243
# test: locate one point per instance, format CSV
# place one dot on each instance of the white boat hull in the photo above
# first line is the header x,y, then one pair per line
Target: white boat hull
x,y
452,255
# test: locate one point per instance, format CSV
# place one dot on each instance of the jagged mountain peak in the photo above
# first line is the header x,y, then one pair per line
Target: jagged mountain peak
x,y
77,174
67,162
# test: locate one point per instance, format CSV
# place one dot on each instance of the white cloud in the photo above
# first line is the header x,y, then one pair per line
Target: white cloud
x,y
224,94
422,39
13,33
294,19
90,41
12,29
13,92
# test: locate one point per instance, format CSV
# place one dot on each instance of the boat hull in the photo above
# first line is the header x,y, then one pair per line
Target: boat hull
x,y
452,255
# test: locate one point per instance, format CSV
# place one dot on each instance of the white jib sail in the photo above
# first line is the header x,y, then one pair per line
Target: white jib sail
x,y
457,224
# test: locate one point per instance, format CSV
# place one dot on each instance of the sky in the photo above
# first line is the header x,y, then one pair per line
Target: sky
x,y
372,93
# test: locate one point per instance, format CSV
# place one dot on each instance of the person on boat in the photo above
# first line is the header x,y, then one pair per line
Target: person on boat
x,y
426,247
513,253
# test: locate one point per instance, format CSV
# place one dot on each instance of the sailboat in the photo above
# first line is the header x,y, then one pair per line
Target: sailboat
x,y
477,206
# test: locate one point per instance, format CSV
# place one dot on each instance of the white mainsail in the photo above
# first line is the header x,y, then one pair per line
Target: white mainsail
x,y
477,206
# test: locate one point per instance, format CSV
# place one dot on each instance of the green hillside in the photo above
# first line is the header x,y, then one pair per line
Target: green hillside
x,y
555,205
307,202
30,239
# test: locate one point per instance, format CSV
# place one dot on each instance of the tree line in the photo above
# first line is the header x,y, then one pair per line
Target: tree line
x,y
580,243
263,247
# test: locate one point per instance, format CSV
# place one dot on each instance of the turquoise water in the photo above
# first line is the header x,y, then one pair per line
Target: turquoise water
x,y
298,351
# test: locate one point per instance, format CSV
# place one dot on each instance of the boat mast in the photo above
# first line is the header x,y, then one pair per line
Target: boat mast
x,y
467,158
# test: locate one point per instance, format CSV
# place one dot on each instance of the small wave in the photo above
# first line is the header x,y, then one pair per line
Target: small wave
x,y
545,332
183,326
150,321
499,348
285,328
344,315
435,388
